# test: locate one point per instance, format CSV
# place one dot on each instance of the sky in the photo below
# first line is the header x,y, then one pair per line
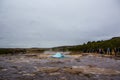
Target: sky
x,y
50,23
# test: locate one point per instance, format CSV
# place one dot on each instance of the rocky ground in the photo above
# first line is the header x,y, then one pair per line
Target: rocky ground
x,y
43,67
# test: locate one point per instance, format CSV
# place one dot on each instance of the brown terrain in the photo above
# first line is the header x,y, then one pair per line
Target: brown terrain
x,y
72,67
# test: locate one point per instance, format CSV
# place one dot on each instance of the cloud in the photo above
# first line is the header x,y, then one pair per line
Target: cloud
x,y
48,23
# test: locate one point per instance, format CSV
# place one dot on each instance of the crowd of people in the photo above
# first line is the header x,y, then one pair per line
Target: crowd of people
x,y
108,51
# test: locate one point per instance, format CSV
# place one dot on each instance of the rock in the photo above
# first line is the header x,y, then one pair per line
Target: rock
x,y
15,67
56,73
56,62
1,67
87,75
85,54
63,78
77,59
73,70
4,69
28,74
91,66
49,69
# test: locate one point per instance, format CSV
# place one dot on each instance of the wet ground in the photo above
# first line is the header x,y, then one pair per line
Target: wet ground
x,y
32,67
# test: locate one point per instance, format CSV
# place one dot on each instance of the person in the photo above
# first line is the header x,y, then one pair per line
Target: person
x,y
105,50
101,52
115,51
108,51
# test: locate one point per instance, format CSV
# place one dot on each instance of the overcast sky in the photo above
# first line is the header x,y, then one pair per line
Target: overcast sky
x,y
49,23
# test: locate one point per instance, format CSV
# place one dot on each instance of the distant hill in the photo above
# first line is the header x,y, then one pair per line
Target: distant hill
x,y
21,50
85,47
104,44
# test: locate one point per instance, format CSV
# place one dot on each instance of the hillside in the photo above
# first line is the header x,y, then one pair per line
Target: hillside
x,y
93,45
90,46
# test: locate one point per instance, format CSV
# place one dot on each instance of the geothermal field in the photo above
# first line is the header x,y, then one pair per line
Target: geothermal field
x,y
70,67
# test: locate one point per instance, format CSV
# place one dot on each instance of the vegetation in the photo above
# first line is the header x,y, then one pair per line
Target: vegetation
x,y
20,50
93,46
112,43
11,50
90,46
